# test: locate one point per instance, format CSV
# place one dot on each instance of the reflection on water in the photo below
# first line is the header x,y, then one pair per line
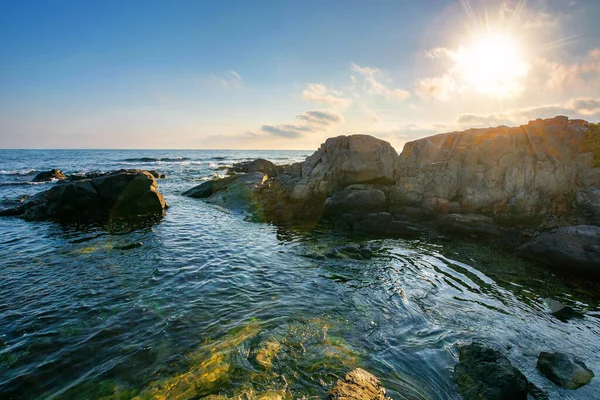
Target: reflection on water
x,y
212,305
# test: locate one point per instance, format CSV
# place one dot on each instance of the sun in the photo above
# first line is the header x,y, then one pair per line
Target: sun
x,y
493,64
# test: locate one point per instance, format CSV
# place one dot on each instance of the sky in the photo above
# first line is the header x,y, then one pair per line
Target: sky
x,y
288,74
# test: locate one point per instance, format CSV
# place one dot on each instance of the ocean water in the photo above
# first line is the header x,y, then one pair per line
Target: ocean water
x,y
212,303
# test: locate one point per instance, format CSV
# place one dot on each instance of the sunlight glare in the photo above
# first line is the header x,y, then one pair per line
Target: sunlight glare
x,y
493,65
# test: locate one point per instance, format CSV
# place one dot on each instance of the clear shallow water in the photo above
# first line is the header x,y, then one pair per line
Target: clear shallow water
x,y
212,303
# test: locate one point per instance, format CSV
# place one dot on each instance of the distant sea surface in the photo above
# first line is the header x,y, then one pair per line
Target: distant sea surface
x,y
212,303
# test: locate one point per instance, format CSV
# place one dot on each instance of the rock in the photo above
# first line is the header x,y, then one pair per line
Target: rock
x,y
519,176
351,251
484,373
157,175
468,224
46,176
572,248
237,192
129,246
121,194
357,385
564,370
258,165
356,202
561,311
347,160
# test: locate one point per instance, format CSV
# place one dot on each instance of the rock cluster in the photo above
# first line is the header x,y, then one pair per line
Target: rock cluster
x,y
479,183
120,194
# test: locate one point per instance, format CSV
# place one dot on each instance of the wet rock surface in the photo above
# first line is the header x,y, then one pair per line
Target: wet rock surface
x,y
572,248
479,183
46,176
484,373
121,194
564,370
358,384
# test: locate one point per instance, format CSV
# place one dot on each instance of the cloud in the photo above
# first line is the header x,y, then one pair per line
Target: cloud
x,y
439,87
372,86
231,80
309,121
586,108
581,74
319,93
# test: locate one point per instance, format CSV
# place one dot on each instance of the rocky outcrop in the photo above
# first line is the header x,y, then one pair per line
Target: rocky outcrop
x,y
564,370
121,194
479,182
484,373
47,176
518,176
358,384
571,248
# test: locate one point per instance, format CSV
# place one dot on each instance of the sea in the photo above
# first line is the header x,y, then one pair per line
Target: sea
x,y
207,302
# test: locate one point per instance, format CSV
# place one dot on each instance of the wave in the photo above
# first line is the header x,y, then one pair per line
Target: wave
x,y
18,172
25,183
152,159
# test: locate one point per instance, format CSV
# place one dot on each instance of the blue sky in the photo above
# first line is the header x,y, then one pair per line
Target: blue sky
x,y
287,74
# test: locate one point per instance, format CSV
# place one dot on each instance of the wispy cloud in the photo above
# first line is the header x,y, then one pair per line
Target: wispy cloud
x,y
308,122
231,80
372,86
319,93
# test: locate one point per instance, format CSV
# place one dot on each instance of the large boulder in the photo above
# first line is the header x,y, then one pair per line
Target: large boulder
x,y
121,194
358,384
345,160
564,370
571,248
520,176
486,374
47,176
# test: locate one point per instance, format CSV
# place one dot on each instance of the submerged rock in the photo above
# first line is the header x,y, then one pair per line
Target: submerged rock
x,y
561,311
358,384
258,165
484,373
46,176
122,194
564,370
572,248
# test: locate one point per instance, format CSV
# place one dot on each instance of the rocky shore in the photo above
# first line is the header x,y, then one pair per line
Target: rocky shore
x,y
537,184
94,197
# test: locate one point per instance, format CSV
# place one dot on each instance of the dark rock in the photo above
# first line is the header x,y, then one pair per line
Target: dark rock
x,y
561,311
536,392
157,175
572,248
357,385
122,194
468,224
46,176
484,373
129,246
258,165
355,201
350,251
564,370
238,192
